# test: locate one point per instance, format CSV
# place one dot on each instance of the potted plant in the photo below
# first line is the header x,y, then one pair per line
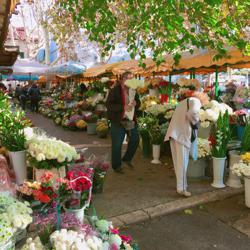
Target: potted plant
x,y
12,137
234,157
144,125
91,124
100,171
156,137
219,138
81,186
102,128
240,118
72,193
196,169
242,169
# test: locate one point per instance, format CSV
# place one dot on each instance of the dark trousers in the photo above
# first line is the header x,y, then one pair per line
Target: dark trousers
x,y
34,105
117,136
23,102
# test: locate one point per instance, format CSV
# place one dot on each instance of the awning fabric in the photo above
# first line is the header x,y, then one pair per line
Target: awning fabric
x,y
201,63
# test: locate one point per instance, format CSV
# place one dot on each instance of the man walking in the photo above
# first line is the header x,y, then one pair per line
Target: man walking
x,y
35,97
118,104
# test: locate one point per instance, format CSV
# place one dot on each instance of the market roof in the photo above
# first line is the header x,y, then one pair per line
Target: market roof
x,y
201,62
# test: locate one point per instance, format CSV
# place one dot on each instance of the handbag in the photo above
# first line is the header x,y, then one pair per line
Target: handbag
x,y
127,124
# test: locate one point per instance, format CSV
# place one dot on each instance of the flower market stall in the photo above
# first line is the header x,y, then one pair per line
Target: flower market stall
x,y
47,207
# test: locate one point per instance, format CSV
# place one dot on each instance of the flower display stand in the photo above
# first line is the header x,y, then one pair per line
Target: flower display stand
x,y
233,180
18,162
91,128
156,154
57,173
247,191
196,169
218,172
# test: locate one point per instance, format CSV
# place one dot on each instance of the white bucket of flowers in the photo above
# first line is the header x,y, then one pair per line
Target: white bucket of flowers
x,y
242,169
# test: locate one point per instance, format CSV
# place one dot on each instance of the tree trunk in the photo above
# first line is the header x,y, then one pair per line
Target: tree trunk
x,y
47,47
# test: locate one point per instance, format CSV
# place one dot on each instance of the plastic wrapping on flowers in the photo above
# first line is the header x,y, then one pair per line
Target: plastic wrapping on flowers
x,y
14,216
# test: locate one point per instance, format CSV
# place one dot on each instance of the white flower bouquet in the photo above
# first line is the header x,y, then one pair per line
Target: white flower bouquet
x,y
14,216
48,153
243,167
105,237
192,84
203,148
210,112
96,99
135,83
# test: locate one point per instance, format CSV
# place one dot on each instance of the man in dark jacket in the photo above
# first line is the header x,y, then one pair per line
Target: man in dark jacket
x,y
117,104
35,97
23,97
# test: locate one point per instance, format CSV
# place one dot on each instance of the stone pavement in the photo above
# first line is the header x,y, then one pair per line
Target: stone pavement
x,y
143,192
221,225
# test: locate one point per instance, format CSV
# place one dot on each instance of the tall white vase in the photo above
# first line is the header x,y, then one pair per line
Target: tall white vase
x,y
233,180
18,162
247,191
218,172
156,154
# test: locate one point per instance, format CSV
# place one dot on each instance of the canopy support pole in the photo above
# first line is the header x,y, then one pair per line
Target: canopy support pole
x,y
216,84
170,89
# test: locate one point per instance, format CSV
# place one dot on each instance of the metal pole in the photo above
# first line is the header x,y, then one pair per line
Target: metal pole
x,y
170,89
216,84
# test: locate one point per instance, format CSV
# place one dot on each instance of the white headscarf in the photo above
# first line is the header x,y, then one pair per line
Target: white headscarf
x,y
179,128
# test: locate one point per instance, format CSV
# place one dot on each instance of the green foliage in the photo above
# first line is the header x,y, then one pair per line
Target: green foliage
x,y
11,126
245,143
46,164
149,126
220,135
163,26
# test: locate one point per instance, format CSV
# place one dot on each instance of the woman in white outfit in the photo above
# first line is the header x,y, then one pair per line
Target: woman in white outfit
x,y
182,131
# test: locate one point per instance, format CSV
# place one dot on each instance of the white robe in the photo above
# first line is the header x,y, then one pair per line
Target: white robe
x,y
179,134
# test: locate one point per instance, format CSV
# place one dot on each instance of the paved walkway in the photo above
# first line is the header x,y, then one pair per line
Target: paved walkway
x,y
143,187
207,227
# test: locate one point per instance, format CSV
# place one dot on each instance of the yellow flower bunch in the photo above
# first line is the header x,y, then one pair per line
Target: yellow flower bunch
x,y
148,101
246,157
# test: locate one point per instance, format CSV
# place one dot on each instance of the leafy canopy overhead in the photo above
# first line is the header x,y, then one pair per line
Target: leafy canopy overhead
x,y
164,26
